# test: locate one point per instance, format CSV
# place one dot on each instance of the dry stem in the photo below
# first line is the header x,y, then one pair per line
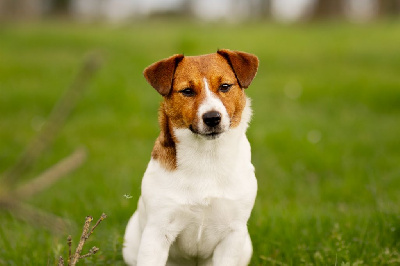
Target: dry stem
x,y
82,241
72,260
102,217
91,252
69,243
61,261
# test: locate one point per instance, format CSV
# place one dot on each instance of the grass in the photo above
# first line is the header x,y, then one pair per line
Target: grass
x,y
325,134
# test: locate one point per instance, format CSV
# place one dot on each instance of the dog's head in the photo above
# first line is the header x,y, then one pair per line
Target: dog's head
x,y
204,94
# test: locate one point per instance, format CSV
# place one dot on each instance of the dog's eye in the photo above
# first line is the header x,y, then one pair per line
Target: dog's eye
x,y
225,87
188,92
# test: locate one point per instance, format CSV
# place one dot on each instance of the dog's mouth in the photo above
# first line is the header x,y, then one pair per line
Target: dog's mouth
x,y
211,134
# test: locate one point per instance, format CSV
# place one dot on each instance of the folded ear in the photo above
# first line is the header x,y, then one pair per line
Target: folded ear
x,y
244,65
161,74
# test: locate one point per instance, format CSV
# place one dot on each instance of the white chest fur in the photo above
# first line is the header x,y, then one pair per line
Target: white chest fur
x,y
212,190
198,206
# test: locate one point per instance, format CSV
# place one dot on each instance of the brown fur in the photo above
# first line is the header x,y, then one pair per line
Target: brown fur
x,y
161,73
243,64
171,75
164,149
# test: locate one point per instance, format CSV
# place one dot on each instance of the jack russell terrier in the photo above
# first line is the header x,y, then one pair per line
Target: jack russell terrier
x,y
199,187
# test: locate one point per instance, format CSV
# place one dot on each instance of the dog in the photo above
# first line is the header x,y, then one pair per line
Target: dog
x,y
199,187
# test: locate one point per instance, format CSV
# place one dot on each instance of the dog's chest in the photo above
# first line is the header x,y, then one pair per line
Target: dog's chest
x,y
205,211
201,206
205,225
200,203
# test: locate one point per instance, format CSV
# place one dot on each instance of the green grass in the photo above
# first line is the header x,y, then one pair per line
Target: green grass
x,y
325,133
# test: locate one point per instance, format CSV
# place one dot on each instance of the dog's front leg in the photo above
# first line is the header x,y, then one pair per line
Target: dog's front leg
x,y
232,249
154,246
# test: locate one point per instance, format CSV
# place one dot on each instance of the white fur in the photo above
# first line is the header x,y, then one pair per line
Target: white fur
x,y
212,103
196,214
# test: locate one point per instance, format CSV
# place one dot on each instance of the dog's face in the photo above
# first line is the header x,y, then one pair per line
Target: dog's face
x,y
204,94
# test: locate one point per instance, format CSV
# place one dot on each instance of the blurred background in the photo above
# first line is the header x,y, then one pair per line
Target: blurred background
x,y
78,121
230,10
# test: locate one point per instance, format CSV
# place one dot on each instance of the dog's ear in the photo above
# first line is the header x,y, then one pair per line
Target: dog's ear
x,y
161,74
244,65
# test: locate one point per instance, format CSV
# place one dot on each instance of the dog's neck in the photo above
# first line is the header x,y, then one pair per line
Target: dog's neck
x,y
182,148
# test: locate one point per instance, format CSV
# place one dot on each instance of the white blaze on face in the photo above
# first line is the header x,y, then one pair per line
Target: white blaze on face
x,y
212,103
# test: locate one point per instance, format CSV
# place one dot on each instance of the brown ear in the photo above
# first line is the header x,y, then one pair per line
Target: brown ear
x,y
243,64
161,74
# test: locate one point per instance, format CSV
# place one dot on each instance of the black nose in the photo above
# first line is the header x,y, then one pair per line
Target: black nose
x,y
212,118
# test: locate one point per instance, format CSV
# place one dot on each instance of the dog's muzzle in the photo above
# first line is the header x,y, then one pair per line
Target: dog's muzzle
x,y
212,127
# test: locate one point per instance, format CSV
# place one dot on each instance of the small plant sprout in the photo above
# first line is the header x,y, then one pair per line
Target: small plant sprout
x,y
86,232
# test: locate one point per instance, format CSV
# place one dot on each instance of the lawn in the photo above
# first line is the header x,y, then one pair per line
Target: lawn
x,y
325,133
